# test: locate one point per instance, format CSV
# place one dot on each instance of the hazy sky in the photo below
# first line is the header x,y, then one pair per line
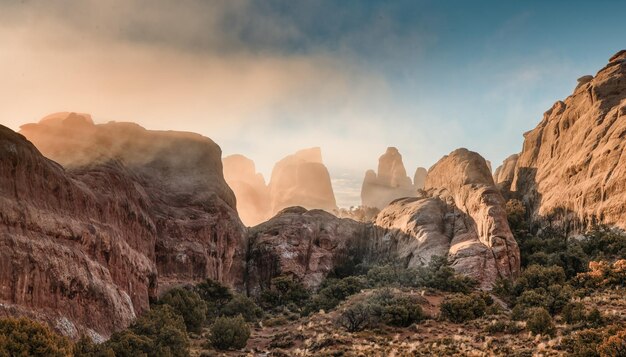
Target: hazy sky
x,y
265,78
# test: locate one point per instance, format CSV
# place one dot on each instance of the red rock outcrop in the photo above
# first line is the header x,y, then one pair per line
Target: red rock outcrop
x,y
572,164
505,173
301,179
389,183
132,211
253,195
305,244
419,178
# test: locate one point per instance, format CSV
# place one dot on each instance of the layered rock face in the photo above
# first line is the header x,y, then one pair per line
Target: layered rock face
x,y
389,183
305,244
301,179
464,177
133,211
572,164
253,195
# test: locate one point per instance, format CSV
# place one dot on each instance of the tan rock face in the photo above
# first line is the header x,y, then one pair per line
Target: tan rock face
x,y
253,195
503,177
463,179
133,211
301,179
389,183
572,163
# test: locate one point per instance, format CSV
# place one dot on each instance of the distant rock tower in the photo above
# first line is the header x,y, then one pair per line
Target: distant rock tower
x,y
391,181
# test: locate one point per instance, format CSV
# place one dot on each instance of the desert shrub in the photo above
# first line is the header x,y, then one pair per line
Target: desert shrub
x,y
604,243
539,321
402,311
536,276
503,326
355,318
215,296
391,275
284,290
438,274
602,274
244,306
582,343
187,304
574,312
614,345
334,291
516,214
24,337
85,347
160,331
461,307
229,333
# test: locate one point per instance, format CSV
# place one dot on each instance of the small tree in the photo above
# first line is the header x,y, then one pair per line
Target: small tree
x,y
539,321
187,304
230,333
244,306
355,318
215,295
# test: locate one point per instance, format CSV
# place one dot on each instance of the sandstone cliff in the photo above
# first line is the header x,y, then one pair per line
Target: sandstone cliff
x,y
301,179
388,183
132,211
572,166
253,195
419,178
503,177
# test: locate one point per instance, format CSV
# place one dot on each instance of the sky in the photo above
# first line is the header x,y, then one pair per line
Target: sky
x,y
266,78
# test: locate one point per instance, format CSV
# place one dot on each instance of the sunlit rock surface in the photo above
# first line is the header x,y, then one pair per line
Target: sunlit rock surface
x,y
253,195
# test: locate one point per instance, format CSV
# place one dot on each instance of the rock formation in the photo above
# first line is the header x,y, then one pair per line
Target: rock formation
x,y
304,244
253,195
572,164
84,247
503,177
461,216
389,183
419,178
301,179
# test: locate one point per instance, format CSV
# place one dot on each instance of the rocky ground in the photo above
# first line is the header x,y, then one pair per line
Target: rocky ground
x,y
319,334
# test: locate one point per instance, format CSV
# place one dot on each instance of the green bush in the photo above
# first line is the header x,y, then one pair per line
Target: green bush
x,y
582,343
574,313
332,292
438,274
284,291
187,304
23,337
244,306
535,277
159,332
402,311
539,321
215,296
460,307
230,333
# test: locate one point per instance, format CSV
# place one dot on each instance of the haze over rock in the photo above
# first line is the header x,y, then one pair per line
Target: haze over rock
x,y
301,179
505,173
253,195
461,216
132,212
388,183
419,178
572,165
